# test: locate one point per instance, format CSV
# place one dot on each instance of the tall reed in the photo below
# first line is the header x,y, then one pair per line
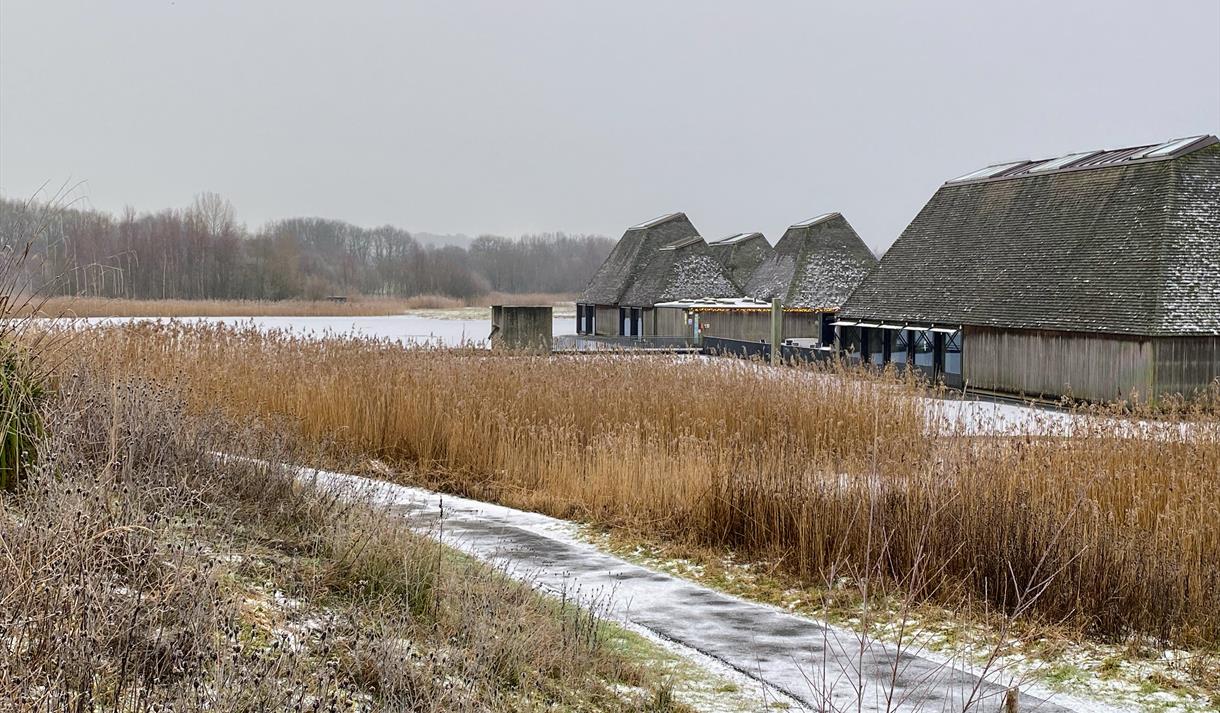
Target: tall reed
x,y
1117,529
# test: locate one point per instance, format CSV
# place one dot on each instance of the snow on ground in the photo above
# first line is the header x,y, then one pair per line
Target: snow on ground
x,y
970,416
1133,677
789,657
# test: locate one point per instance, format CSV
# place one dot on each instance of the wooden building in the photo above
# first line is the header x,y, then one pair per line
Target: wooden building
x,y
739,318
1094,275
812,269
661,260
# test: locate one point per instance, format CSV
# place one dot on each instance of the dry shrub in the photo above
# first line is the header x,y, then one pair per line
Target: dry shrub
x,y
486,300
142,573
1113,531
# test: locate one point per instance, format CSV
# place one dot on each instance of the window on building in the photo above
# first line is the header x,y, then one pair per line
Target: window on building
x,y
876,346
828,330
925,348
849,342
580,319
953,353
899,343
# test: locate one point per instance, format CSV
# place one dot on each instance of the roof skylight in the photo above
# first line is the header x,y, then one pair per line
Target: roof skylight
x,y
813,221
738,238
1063,161
988,172
1170,147
683,242
1090,159
655,221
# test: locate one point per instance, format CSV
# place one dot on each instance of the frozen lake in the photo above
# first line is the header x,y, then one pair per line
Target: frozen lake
x,y
405,328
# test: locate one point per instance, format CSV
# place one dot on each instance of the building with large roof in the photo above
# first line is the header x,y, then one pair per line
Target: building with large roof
x,y
661,260
1094,275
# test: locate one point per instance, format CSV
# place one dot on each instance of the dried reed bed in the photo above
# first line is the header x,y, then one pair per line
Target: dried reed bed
x,y
828,472
142,574
354,307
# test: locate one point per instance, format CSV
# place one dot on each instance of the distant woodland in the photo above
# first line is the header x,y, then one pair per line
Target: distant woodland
x,y
203,252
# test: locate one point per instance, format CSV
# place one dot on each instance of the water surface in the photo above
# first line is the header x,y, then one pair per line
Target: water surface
x,y
406,328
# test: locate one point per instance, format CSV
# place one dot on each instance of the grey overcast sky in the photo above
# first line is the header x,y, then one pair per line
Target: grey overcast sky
x,y
508,117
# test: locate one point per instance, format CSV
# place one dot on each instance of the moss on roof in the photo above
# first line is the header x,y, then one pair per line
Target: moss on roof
x,y
657,261
741,254
1125,249
816,265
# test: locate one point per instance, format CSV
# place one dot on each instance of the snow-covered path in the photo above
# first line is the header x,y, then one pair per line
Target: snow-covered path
x,y
821,667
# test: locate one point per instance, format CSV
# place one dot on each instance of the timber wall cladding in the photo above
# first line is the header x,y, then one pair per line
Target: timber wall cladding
x,y
670,322
756,326
1045,363
605,322
1186,365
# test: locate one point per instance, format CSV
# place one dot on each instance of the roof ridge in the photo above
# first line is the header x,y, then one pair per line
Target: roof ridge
x,y
1087,160
810,222
683,242
737,238
659,220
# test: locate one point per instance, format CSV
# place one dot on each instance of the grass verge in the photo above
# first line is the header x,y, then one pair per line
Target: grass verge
x,y
144,574
1137,672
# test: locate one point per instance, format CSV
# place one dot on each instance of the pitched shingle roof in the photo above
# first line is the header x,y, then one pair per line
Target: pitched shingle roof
x,y
631,252
816,264
741,254
682,270
660,260
1122,247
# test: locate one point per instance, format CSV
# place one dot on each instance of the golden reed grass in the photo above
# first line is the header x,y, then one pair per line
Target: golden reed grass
x,y
354,307
829,473
143,574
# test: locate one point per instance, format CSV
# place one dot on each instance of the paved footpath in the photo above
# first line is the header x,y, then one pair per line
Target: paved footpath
x,y
818,666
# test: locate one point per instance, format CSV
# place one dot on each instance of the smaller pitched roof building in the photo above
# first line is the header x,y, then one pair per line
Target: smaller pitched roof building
x,y
680,270
1095,274
660,260
815,265
637,246
741,254
811,271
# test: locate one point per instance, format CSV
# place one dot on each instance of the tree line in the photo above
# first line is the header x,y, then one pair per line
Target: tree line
x,y
202,252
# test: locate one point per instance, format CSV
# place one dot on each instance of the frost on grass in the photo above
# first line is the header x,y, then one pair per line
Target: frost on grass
x,y
1098,675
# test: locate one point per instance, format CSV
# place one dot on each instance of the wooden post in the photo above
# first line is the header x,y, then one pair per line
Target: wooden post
x,y
1010,700
777,329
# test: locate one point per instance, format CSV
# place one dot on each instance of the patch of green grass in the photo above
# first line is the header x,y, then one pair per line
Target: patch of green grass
x,y
1060,675
20,422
